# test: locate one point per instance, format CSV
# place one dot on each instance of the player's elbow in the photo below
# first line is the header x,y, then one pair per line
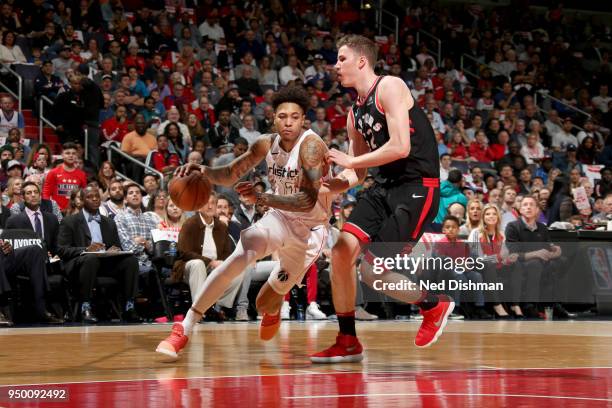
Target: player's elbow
x,y
403,151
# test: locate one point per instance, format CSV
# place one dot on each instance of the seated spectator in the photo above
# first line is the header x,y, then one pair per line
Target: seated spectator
x,y
135,227
13,196
450,246
248,83
89,231
587,151
173,116
477,183
525,181
114,129
204,243
10,53
474,215
76,202
114,204
560,204
9,117
456,147
291,72
534,268
508,212
196,131
174,218
479,148
450,192
488,240
49,206
564,137
248,131
65,178
176,141
320,126
606,214
533,151
156,208
223,132
162,159
139,142
31,260
46,83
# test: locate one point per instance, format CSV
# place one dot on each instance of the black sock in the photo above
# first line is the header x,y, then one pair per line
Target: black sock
x,y
428,302
347,323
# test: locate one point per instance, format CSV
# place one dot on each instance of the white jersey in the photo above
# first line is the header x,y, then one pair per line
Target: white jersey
x,y
285,176
6,124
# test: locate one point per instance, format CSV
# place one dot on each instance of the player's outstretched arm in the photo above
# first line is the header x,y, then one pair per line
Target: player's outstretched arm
x,y
229,174
396,100
312,154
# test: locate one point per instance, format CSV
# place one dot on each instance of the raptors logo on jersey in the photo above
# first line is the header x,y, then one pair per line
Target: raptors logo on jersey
x,y
371,123
285,176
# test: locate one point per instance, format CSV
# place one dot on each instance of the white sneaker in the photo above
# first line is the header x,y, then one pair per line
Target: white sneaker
x,y
456,316
362,314
314,313
242,315
285,311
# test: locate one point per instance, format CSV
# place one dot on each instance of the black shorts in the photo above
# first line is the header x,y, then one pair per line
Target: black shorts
x,y
394,212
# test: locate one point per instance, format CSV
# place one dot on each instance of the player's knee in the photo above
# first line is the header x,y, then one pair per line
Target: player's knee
x,y
345,248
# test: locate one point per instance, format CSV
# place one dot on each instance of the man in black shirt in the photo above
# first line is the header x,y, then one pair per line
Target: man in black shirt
x,y
537,259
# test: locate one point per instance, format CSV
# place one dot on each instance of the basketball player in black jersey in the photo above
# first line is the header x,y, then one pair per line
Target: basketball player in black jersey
x,y
389,131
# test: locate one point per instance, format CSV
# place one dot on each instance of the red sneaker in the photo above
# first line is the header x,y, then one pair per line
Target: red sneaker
x,y
269,326
346,350
174,343
434,321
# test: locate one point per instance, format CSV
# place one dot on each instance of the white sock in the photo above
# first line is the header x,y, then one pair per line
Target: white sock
x,y
190,320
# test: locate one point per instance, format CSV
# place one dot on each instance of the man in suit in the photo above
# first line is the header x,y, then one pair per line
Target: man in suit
x,y
35,218
204,243
88,231
31,259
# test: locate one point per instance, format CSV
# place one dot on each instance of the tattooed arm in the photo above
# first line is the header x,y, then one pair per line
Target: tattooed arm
x,y
312,154
229,174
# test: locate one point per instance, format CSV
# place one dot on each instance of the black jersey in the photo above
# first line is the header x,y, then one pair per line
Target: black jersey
x,y
422,162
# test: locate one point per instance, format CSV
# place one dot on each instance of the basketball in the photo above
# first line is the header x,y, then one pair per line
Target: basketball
x,y
191,192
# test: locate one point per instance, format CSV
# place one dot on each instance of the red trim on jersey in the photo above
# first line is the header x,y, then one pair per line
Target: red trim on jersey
x,y
425,209
360,234
368,94
431,182
377,103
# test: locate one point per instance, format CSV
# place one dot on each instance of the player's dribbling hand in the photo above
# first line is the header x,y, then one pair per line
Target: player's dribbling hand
x,y
186,169
246,191
341,159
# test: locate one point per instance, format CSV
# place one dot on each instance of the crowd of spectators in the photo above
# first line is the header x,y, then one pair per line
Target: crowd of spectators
x,y
518,101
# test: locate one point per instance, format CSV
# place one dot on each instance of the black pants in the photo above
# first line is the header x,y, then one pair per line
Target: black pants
x,y
93,145
122,268
30,261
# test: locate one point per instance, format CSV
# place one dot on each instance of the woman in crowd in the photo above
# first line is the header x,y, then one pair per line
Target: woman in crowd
x,y
177,144
174,217
13,194
488,241
474,210
76,202
106,174
157,205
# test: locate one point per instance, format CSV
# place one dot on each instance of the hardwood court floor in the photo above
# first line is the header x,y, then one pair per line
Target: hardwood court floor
x,y
473,364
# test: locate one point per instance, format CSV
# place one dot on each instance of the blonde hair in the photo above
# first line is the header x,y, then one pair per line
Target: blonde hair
x,y
468,221
482,228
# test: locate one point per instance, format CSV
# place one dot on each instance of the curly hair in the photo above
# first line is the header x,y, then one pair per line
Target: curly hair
x,y
291,94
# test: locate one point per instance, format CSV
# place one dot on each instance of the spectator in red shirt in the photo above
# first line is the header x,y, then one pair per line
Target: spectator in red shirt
x,y
479,148
336,113
116,127
178,97
134,60
162,159
498,150
66,177
456,147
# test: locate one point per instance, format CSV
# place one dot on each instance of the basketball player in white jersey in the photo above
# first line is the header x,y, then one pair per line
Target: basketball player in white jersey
x,y
295,227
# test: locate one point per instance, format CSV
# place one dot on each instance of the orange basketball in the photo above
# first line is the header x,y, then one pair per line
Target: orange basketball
x,y
191,192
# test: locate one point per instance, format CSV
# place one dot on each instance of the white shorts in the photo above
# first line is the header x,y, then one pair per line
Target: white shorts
x,y
298,246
